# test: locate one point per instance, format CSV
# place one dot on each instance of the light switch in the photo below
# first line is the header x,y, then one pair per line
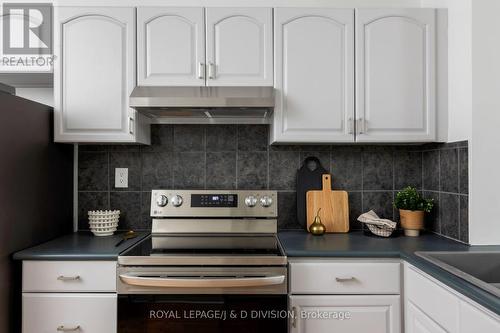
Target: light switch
x,y
121,177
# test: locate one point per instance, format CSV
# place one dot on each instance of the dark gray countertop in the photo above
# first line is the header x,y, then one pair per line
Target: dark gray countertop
x,y
81,245
357,244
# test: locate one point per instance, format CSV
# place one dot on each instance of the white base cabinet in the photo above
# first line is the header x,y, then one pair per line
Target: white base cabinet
x,y
432,307
89,313
418,322
353,314
336,295
69,296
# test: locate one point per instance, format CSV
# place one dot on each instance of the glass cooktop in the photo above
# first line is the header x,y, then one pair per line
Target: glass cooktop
x,y
206,246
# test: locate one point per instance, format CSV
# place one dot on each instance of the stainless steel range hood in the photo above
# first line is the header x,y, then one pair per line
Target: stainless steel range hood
x,y
203,102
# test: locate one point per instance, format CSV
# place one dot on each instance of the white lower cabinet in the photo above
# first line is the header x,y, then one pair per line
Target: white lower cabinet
x,y
58,312
352,296
474,319
419,322
353,314
432,307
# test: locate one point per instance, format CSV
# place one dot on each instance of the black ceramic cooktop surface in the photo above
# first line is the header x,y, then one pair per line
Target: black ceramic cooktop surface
x,y
206,245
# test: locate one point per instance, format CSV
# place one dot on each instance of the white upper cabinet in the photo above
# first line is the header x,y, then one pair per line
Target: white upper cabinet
x,y
395,88
314,72
171,46
94,74
239,47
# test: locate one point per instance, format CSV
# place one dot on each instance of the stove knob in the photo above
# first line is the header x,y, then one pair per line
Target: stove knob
x,y
250,201
266,201
161,201
176,200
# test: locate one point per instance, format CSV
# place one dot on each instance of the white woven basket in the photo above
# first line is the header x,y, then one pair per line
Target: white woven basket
x,y
382,231
103,222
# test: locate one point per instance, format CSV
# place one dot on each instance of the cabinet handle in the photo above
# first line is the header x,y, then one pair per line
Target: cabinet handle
x,y
68,278
350,125
201,70
294,318
360,126
131,125
211,70
345,278
68,329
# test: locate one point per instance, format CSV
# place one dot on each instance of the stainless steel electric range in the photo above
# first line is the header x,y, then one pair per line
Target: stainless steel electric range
x,y
213,263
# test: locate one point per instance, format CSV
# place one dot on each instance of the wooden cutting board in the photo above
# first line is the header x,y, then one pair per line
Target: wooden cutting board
x,y
334,207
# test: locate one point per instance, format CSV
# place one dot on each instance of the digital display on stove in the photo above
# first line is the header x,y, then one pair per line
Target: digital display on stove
x,y
214,200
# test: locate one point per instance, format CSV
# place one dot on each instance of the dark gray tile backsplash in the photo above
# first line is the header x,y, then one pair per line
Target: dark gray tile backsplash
x,y
445,179
239,157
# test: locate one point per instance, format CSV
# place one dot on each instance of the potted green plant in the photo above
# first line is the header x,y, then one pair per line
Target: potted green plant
x,y
412,208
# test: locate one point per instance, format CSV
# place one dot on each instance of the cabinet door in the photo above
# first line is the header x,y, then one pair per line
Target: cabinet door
x,y
353,314
395,88
45,313
170,46
94,74
475,319
314,56
239,47
418,322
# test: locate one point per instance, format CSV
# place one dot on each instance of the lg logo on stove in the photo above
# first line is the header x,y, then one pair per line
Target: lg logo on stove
x,y
27,36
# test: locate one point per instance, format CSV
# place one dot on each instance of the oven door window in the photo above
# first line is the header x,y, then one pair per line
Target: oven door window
x,y
202,313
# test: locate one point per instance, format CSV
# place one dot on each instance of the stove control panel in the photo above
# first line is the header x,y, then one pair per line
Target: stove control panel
x,y
214,200
208,203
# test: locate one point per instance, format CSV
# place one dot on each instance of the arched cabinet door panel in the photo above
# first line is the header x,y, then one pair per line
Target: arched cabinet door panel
x,y
94,74
170,46
239,47
395,88
314,72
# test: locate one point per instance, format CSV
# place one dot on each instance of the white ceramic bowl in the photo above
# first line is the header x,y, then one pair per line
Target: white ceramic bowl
x,y
103,222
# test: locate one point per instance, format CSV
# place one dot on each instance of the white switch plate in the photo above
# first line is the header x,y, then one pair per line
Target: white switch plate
x,y
121,177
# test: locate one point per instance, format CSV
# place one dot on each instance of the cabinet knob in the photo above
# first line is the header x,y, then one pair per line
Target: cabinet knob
x,y
62,328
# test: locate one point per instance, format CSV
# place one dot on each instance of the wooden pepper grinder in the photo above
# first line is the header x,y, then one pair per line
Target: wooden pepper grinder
x,y
317,228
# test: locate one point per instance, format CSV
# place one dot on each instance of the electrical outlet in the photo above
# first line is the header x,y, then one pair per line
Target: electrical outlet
x,y
121,177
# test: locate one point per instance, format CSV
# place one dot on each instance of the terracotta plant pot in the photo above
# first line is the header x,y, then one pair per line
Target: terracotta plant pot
x,y
412,221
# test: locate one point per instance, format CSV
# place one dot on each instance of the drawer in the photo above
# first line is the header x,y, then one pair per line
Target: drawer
x,y
345,313
45,313
69,276
338,277
432,299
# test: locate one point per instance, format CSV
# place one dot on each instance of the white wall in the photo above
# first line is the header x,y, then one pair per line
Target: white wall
x,y
40,95
484,157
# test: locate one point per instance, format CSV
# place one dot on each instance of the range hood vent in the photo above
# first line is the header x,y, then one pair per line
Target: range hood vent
x,y
203,102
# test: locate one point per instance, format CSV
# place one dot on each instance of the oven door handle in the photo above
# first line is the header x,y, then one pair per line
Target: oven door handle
x,y
201,282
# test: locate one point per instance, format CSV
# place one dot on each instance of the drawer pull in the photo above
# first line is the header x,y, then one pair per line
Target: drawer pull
x,y
68,329
68,278
345,278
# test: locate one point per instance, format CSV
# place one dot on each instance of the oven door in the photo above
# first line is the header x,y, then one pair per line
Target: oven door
x,y
202,299
202,313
